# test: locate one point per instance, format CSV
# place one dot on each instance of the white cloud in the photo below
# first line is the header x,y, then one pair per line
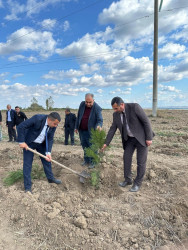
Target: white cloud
x,y
85,69
6,81
99,91
48,23
30,8
27,39
16,58
171,49
17,75
66,26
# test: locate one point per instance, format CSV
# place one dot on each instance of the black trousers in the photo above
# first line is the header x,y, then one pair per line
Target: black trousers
x,y
11,131
69,131
129,147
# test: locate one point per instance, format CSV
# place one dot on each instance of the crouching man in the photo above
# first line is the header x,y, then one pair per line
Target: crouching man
x,y
37,133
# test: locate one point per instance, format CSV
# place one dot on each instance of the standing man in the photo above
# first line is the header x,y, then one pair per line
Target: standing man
x,y
19,116
10,123
136,133
89,116
70,120
37,133
0,126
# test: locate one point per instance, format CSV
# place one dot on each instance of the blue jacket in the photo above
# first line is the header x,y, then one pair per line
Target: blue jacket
x,y
12,115
31,128
95,118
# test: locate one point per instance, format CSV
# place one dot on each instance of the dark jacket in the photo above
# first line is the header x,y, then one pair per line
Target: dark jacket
x,y
20,117
138,122
0,116
30,129
95,118
70,121
12,115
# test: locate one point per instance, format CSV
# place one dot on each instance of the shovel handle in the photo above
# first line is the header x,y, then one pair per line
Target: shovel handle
x,y
43,156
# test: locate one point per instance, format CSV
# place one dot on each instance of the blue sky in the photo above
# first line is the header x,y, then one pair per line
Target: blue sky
x,y
67,48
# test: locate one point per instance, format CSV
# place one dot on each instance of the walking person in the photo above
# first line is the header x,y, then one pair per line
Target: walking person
x,y
136,133
89,116
38,133
0,126
69,126
19,116
10,123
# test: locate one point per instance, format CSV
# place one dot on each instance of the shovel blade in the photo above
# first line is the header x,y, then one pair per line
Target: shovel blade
x,y
84,175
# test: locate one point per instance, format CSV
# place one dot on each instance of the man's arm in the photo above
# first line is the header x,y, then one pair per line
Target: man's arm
x,y
145,121
23,126
0,117
99,117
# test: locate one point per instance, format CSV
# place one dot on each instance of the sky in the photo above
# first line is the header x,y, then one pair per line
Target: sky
x,y
67,48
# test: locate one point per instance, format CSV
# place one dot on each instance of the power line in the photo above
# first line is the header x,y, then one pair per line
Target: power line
x,y
59,19
115,29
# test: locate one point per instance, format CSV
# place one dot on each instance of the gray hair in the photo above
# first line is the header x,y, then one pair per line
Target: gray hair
x,y
89,94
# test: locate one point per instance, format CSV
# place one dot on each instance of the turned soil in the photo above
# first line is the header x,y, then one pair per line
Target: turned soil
x,y
78,216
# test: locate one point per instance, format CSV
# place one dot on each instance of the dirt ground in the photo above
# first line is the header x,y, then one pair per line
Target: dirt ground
x,y
77,216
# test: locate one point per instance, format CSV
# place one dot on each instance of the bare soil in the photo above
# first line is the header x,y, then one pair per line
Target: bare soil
x,y
77,216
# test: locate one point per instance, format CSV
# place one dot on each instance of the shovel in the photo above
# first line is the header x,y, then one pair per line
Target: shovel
x,y
83,175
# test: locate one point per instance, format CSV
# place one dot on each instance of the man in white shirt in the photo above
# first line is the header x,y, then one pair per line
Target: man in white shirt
x,y
37,133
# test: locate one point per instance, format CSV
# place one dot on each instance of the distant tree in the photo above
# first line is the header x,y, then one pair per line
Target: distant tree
x,y
49,103
35,105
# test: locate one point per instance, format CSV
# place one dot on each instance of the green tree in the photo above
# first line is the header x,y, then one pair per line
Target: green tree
x,y
49,103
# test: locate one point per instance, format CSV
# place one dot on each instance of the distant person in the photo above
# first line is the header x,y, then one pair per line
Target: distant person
x,y
136,133
38,133
89,116
69,126
20,116
10,123
0,126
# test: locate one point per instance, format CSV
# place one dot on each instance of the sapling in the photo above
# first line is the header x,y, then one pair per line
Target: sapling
x,y
94,151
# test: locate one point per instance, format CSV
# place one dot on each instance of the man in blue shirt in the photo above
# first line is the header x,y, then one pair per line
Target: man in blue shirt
x,y
10,123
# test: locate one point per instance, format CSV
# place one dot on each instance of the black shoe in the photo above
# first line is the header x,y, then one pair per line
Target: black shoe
x,y
125,183
9,140
84,163
91,166
56,181
134,188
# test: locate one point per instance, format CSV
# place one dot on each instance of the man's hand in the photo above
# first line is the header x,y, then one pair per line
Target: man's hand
x,y
99,128
48,157
148,143
23,145
14,127
103,148
76,131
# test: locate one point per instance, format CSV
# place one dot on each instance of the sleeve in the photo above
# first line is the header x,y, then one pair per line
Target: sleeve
x,y
145,122
99,117
77,119
111,132
24,126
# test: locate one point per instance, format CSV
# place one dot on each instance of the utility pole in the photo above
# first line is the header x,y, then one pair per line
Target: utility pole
x,y
155,60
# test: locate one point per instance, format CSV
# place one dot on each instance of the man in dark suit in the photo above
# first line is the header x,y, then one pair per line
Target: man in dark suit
x,y
10,123
70,120
37,133
136,133
19,116
0,126
89,116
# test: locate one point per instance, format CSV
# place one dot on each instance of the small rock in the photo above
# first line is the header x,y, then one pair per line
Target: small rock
x,y
80,222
